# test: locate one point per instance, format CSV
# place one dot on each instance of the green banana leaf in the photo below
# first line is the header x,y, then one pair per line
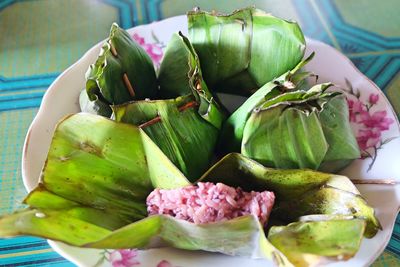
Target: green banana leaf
x,y
122,72
298,192
286,127
97,176
177,128
343,146
285,132
244,50
242,236
232,130
306,243
269,125
301,130
174,69
180,74
112,168
185,128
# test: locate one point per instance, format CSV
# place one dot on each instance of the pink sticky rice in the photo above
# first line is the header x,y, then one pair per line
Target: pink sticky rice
x,y
208,202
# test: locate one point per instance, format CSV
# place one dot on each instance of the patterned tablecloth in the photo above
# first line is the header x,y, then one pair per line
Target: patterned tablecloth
x,y
39,39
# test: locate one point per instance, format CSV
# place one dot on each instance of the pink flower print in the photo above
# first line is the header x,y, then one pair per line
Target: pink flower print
x,y
368,138
138,39
356,107
376,120
124,258
369,122
373,99
153,50
164,263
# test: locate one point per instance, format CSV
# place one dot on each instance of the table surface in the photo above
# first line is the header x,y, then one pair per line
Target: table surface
x,y
39,39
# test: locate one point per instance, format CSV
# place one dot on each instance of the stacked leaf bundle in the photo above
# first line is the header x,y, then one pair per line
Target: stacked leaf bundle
x,y
163,133
123,84
286,127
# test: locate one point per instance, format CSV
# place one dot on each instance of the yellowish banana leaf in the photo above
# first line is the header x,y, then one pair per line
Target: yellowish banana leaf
x,y
298,192
311,243
93,189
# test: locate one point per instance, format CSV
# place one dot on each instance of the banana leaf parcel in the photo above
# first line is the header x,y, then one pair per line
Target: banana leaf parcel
x,y
177,112
122,72
283,126
185,128
244,50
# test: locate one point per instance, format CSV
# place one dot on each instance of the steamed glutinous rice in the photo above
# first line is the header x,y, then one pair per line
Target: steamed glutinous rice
x,y
208,202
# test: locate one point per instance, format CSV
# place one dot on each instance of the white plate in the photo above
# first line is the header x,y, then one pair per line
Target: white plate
x,y
376,125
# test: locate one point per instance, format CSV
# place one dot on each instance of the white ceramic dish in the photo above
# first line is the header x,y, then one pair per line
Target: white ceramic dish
x,y
378,125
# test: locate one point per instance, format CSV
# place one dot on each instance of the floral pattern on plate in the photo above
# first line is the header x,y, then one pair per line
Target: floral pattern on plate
x,y
154,49
125,258
370,120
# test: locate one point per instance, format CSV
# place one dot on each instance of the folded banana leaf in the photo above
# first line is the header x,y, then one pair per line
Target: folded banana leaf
x,y
180,74
92,194
186,128
286,131
242,236
298,192
307,243
177,128
112,168
244,50
122,72
174,69
232,130
283,127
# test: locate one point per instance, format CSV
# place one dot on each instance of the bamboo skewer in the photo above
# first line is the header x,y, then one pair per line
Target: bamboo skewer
x,y
158,119
125,78
113,50
375,181
128,85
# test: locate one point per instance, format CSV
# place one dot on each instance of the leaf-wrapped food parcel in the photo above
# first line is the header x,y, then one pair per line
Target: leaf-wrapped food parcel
x,y
177,128
185,128
122,72
180,74
298,192
173,74
232,130
97,172
285,127
106,165
244,50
